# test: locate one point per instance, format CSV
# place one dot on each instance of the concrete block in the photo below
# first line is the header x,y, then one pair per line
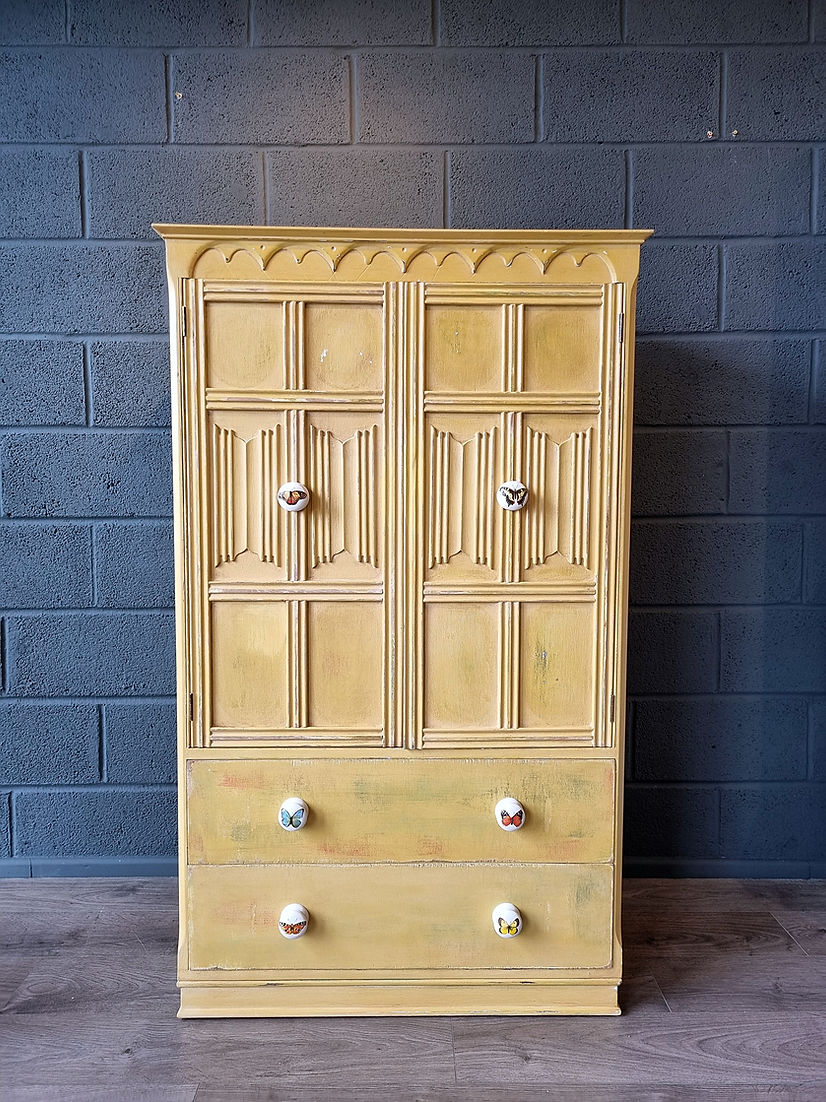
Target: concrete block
x,y
86,474
814,562
721,381
819,382
48,743
819,20
777,471
356,23
74,95
130,383
628,95
83,288
672,652
5,824
678,473
677,288
693,22
41,383
671,821
128,190
820,214
32,22
39,193
715,562
775,284
773,822
134,566
459,96
775,95
720,739
773,650
140,742
817,736
529,23
261,97
116,822
92,654
354,186
165,24
46,565
706,190
537,188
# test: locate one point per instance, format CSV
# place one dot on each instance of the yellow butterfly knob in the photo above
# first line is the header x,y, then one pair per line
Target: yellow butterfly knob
x,y
507,920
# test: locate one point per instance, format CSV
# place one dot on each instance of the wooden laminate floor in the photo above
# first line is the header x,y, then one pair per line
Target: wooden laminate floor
x,y
724,998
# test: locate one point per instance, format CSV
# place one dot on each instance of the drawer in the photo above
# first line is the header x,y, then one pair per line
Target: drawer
x,y
400,916
400,810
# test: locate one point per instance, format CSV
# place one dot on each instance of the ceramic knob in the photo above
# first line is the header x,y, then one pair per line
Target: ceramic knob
x,y
512,496
510,814
293,496
293,814
292,922
507,921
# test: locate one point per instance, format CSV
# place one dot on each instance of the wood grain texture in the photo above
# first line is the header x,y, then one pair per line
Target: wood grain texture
x,y
75,1028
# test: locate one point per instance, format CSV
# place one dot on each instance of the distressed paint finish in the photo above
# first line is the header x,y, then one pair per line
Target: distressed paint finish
x,y
403,653
401,810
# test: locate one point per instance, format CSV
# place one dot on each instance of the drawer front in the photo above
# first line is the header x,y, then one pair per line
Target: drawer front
x,y
400,917
400,810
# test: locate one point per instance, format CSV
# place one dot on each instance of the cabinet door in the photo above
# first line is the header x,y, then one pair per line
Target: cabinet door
x,y
293,618
517,388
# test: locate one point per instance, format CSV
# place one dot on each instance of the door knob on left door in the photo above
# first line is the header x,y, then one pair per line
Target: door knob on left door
x,y
510,814
293,496
507,920
292,922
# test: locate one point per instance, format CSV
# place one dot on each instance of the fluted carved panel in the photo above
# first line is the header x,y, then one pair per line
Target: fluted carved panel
x,y
245,478
462,502
344,482
559,479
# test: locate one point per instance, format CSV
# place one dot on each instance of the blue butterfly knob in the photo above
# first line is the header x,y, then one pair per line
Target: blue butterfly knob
x,y
507,921
292,922
293,814
510,814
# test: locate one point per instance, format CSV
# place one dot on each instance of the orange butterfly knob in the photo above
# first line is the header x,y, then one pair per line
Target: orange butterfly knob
x,y
507,920
293,920
510,814
293,496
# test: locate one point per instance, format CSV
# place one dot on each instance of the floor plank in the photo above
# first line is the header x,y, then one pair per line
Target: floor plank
x,y
808,928
712,1049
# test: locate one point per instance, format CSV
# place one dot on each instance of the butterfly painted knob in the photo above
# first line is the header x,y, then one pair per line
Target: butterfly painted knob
x,y
507,921
512,496
293,814
293,496
292,922
510,814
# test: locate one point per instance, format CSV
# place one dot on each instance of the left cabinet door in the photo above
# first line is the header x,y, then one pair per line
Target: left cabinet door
x,y
286,386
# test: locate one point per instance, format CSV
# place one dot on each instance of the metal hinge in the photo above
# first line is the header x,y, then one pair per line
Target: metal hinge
x,y
621,328
191,707
183,322
612,707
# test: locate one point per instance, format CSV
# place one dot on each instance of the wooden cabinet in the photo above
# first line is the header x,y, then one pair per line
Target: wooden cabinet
x,y
401,516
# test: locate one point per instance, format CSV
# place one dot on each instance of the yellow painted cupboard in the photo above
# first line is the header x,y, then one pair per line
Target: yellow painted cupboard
x,y
402,464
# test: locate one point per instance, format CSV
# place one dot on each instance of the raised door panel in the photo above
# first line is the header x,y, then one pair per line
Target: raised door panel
x,y
563,347
244,345
342,347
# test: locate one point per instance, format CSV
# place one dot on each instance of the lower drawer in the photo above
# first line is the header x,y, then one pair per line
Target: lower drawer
x,y
399,916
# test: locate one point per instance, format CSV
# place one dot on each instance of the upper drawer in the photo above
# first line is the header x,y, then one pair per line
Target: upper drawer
x,y
400,810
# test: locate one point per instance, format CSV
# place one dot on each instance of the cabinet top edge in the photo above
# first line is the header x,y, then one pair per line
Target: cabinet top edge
x,y
182,232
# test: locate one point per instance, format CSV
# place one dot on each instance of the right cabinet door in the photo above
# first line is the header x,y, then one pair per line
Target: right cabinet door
x,y
518,387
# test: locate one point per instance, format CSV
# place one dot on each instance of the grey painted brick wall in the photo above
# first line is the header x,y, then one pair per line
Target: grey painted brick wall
x,y
704,120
